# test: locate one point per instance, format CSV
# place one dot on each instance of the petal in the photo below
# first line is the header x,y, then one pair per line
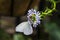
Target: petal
x,y
35,24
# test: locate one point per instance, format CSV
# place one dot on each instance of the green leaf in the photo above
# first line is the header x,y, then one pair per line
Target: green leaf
x,y
19,37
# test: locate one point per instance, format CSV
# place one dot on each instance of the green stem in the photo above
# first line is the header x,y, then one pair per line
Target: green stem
x,y
48,11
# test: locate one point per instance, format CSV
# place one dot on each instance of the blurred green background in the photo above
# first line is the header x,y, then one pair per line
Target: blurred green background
x,y
13,12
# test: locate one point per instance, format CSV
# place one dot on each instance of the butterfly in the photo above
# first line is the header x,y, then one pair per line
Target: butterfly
x,y
24,27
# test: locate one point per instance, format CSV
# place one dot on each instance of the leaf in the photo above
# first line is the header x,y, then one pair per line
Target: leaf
x,y
19,37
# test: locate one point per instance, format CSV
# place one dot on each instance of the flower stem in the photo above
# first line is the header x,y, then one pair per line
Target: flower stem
x,y
49,11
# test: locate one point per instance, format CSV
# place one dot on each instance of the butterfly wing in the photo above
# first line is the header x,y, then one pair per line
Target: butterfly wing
x,y
28,29
20,27
24,27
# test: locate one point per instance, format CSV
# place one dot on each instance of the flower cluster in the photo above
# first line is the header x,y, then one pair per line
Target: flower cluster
x,y
33,17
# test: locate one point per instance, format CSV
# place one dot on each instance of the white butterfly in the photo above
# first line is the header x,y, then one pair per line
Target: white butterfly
x,y
24,27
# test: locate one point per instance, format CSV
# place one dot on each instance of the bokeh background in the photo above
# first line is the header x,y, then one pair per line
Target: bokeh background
x,y
13,12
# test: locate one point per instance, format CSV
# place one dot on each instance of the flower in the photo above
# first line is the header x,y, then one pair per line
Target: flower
x,y
33,17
